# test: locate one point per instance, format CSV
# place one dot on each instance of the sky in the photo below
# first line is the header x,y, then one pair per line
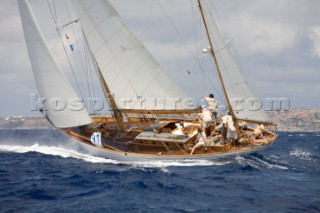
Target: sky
x,y
277,42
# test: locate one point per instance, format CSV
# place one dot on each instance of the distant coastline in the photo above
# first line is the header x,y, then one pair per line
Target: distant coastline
x,y
293,120
297,120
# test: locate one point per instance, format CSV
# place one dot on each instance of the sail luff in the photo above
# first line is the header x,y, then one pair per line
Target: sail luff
x,y
219,72
62,106
243,101
216,61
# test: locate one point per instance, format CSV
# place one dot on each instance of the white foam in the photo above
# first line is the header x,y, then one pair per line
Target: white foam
x,y
243,161
178,163
69,153
269,165
258,163
299,153
56,151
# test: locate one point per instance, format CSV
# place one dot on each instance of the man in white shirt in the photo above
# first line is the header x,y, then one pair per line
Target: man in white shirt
x,y
258,132
227,121
212,105
205,120
202,141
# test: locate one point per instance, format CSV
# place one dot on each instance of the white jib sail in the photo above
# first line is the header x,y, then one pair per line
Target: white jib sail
x,y
135,78
245,103
63,106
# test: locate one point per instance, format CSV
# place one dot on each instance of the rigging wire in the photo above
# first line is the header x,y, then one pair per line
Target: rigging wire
x,y
84,68
88,66
76,39
229,41
228,38
54,17
96,68
195,35
218,91
194,25
53,12
197,47
173,53
188,47
78,51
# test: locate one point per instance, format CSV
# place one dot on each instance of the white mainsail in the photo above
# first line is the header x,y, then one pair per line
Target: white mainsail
x,y
135,78
51,82
244,101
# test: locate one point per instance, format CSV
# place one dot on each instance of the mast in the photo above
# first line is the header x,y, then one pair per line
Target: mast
x,y
116,112
218,68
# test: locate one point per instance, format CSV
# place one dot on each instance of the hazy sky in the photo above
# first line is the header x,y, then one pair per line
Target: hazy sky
x,y
277,41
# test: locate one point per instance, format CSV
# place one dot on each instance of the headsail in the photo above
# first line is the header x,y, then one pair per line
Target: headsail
x,y
239,92
133,75
51,82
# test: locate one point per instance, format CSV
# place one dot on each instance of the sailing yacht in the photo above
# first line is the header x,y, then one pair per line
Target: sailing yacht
x,y
154,126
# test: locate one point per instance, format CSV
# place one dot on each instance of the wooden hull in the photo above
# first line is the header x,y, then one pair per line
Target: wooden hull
x,y
133,157
144,145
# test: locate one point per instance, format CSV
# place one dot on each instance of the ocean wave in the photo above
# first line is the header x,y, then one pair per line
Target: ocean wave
x,y
259,162
269,165
301,154
245,162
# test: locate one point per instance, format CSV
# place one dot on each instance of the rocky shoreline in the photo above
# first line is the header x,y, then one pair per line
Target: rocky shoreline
x,y
297,120
293,120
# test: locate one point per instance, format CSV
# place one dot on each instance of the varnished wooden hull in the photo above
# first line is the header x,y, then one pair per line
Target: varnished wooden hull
x,y
130,156
120,150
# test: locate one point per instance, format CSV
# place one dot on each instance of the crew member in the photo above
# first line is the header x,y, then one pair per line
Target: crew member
x,y
212,105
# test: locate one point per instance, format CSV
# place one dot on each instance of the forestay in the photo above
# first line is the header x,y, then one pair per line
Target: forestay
x,y
51,82
244,102
134,77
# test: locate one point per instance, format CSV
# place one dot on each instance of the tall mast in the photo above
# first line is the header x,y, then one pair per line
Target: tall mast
x,y
116,112
218,68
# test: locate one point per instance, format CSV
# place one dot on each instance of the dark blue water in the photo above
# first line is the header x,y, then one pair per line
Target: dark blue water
x,y
42,171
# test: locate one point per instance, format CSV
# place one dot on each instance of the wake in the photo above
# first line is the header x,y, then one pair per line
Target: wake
x,y
303,155
258,161
55,151
70,153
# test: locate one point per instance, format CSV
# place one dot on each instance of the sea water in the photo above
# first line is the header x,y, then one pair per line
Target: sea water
x,y
44,171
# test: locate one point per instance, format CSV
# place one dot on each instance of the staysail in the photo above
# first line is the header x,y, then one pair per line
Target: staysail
x,y
62,106
135,78
244,102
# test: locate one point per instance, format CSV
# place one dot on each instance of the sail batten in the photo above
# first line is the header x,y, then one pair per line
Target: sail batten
x,y
51,82
237,88
129,69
